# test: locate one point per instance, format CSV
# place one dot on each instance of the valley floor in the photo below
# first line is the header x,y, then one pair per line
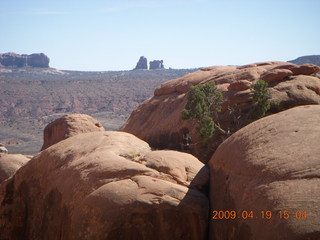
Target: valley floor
x,y
33,97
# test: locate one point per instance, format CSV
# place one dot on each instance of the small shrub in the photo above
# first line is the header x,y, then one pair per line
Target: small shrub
x,y
261,96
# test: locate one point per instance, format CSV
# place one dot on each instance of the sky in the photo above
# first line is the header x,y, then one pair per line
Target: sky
x,y
103,35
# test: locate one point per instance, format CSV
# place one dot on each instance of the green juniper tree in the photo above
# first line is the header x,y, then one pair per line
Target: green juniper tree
x,y
204,101
260,96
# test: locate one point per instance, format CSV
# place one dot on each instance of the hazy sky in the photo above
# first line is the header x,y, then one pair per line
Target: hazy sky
x,y
113,34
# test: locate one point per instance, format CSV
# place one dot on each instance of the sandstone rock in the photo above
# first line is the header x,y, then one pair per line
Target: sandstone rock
x,y
299,90
192,79
240,85
106,185
156,64
68,126
158,119
142,63
10,163
270,165
17,60
276,75
238,97
306,69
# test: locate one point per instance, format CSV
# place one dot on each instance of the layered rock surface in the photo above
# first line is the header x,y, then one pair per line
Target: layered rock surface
x,y
68,126
270,165
106,185
158,119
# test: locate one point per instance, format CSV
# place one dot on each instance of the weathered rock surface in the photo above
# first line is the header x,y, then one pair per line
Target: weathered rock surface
x,y
106,185
156,64
158,119
17,60
68,126
276,75
270,165
10,163
240,85
142,63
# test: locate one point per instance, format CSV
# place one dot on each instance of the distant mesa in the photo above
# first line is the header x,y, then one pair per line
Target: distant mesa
x,y
143,64
24,60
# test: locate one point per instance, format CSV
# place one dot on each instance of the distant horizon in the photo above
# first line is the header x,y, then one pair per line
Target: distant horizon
x,y
133,69
111,35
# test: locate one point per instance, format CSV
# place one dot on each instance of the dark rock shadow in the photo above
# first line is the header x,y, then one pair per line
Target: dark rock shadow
x,y
195,206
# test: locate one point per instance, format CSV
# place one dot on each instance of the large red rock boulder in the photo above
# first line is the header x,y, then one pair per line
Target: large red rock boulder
x,y
10,163
106,185
158,119
68,126
270,165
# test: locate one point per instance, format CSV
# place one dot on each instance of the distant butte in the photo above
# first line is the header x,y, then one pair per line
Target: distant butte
x,y
143,64
156,64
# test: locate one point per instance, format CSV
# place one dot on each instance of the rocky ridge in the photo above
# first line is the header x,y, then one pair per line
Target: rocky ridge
x,y
158,119
313,59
